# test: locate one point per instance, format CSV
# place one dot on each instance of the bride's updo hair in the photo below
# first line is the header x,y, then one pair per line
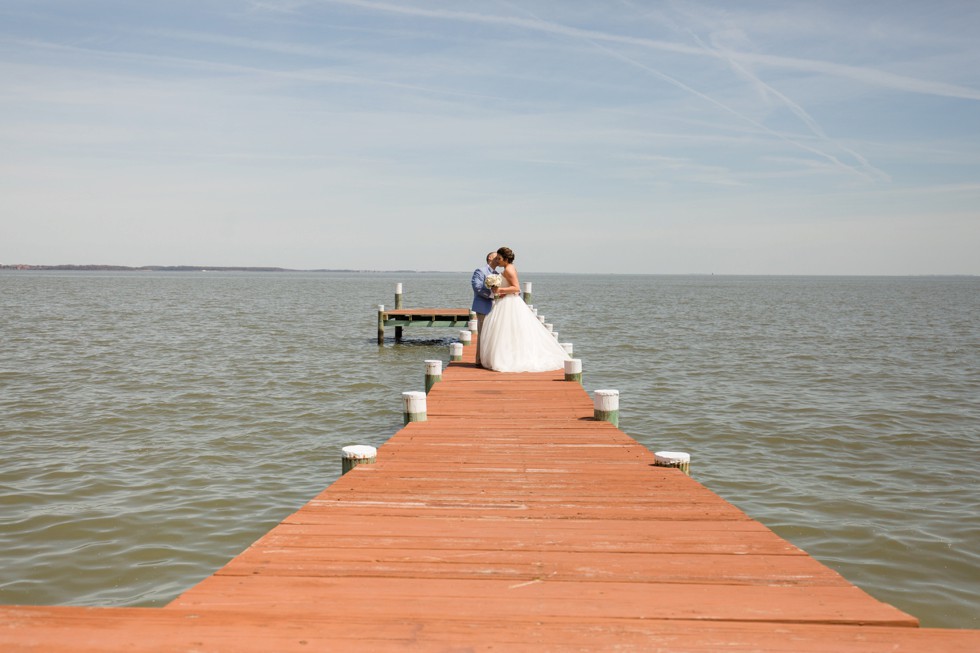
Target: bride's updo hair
x,y
507,254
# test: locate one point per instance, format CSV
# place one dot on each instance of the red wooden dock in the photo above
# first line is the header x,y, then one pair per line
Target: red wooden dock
x,y
509,521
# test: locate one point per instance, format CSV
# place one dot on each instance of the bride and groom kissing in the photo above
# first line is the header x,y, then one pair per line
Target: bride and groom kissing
x,y
510,338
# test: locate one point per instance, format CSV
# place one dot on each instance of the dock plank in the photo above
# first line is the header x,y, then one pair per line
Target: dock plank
x,y
488,561
365,598
149,630
686,537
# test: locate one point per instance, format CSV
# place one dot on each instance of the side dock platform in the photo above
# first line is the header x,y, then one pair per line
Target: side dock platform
x,y
509,520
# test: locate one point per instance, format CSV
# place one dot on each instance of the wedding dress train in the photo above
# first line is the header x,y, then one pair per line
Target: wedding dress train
x,y
514,340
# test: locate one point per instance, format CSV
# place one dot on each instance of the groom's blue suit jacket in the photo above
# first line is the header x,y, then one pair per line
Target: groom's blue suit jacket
x,y
482,296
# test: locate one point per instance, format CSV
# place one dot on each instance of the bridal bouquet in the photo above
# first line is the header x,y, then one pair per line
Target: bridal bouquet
x,y
493,281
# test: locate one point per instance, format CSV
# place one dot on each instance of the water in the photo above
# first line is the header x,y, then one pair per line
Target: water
x,y
153,425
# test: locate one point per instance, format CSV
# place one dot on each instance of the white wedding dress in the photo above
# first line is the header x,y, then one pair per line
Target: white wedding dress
x,y
514,340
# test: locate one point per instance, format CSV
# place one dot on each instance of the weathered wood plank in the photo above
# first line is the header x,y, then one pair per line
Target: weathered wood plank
x,y
478,562
366,598
146,630
730,537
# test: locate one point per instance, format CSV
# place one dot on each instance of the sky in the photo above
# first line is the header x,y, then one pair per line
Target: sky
x,y
622,136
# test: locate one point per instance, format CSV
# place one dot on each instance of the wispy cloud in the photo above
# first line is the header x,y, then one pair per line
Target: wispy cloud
x,y
865,75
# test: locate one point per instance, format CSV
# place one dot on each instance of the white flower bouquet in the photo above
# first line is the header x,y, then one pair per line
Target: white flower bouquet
x,y
493,281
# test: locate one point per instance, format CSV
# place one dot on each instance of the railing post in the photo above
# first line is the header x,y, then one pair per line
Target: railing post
x,y
381,324
456,351
398,296
573,370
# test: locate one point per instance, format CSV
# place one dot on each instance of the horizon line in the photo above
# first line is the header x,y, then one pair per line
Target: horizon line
x,y
99,267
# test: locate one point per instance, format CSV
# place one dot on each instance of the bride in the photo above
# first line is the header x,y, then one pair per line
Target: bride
x,y
513,339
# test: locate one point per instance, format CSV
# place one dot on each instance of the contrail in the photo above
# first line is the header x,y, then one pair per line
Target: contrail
x,y
868,76
797,110
707,98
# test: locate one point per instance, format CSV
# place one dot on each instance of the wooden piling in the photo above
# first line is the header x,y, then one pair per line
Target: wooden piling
x,y
606,406
676,459
398,297
414,406
433,373
357,454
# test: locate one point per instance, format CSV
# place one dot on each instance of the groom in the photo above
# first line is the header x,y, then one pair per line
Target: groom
x,y
482,297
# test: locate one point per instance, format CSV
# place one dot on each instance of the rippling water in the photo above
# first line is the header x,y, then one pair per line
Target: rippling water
x,y
153,425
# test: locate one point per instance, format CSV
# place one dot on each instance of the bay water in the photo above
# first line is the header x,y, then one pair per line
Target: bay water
x,y
154,424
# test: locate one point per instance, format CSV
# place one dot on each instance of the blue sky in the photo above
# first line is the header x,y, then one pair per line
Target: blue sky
x,y
618,136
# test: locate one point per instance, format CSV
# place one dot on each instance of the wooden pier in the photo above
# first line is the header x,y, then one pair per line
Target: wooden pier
x,y
425,317
510,520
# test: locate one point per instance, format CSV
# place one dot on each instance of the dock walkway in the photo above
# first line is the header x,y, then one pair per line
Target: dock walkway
x,y
511,520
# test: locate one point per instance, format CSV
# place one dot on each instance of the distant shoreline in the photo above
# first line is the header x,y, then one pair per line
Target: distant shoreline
x,y
218,268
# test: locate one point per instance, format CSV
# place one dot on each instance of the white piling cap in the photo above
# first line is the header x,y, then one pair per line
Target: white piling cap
x,y
472,325
567,346
456,348
398,289
671,457
433,367
606,400
573,366
549,326
359,452
465,336
414,401
381,308
527,286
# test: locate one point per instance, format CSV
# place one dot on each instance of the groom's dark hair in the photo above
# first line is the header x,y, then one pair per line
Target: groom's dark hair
x,y
507,254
